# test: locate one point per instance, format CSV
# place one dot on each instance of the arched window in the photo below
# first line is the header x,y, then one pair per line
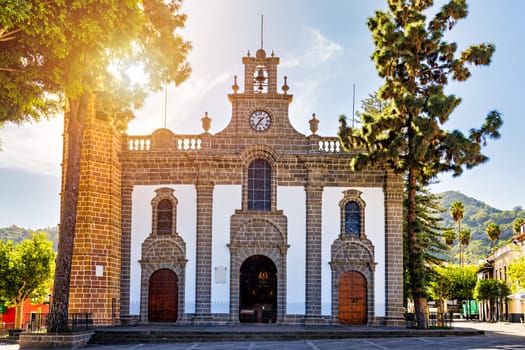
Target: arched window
x,y
259,185
352,214
164,217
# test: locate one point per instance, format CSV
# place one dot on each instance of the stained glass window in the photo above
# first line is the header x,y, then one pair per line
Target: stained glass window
x,y
352,218
259,185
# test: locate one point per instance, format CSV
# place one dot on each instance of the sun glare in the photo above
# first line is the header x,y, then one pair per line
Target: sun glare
x,y
133,73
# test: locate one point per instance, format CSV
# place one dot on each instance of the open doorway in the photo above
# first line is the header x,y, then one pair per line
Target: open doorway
x,y
258,290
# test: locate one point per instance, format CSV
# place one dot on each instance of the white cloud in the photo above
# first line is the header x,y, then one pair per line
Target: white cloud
x,y
33,147
183,103
321,50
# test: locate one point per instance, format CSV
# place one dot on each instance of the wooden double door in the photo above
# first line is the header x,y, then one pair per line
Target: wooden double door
x,y
352,298
163,296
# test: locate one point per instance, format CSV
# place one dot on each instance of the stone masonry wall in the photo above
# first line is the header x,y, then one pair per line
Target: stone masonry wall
x,y
95,272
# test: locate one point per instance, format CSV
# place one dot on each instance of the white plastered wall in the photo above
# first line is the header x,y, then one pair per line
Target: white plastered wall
x,y
291,200
226,199
141,221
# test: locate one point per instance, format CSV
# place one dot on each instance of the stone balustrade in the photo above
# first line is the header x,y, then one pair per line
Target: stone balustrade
x,y
330,145
139,143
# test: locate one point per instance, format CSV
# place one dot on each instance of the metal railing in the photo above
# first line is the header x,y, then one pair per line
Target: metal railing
x,y
81,322
38,322
435,319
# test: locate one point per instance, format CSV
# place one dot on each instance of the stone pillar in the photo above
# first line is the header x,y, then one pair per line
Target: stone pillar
x,y
393,189
314,195
126,201
96,262
203,252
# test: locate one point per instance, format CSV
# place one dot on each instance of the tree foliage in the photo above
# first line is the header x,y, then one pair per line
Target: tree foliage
x,y
457,210
26,89
493,232
516,273
464,237
453,281
71,50
416,64
492,293
517,224
449,236
433,250
27,271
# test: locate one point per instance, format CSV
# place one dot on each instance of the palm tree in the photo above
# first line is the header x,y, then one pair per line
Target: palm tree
x,y
493,232
517,224
464,239
457,210
449,236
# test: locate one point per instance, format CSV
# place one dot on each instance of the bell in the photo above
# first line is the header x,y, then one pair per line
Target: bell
x,y
260,76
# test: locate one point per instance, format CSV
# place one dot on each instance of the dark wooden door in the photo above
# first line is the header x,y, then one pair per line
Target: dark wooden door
x,y
352,298
163,296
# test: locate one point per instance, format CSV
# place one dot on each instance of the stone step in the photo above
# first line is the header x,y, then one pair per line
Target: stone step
x,y
139,336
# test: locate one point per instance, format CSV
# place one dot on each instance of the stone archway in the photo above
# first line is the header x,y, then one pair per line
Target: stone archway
x,y
258,290
353,275
163,296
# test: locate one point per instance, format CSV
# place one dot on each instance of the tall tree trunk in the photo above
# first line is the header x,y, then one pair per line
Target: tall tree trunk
x,y
58,315
415,259
19,312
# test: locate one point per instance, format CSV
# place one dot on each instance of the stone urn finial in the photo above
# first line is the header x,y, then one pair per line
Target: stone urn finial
x,y
206,122
314,123
285,86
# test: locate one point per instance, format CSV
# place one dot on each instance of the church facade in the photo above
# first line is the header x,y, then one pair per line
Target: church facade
x,y
256,223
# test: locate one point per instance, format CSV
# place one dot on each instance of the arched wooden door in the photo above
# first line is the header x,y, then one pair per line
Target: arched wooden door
x,y
352,298
163,296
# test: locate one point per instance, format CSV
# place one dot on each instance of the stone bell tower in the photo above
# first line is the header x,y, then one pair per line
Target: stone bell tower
x,y
260,110
96,263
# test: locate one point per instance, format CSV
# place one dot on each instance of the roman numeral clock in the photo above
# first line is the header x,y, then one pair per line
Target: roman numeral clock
x,y
260,120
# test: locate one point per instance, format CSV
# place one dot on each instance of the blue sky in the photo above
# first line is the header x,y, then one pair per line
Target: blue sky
x,y
325,48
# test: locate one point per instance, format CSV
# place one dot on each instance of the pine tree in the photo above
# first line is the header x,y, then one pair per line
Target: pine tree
x,y
408,135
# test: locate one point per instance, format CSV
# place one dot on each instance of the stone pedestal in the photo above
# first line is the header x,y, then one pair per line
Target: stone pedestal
x,y
54,340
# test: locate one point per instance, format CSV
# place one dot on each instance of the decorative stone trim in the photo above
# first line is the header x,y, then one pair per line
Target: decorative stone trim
x,y
162,194
258,233
353,254
162,252
355,196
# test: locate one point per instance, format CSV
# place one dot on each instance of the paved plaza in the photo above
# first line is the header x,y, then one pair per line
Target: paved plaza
x,y
498,336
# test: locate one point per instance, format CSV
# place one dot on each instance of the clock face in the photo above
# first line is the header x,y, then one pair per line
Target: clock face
x,y
260,120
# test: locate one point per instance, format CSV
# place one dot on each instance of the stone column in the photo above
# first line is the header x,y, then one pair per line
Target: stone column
x,y
126,193
203,252
393,189
314,195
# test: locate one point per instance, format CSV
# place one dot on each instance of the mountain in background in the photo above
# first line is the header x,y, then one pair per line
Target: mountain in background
x,y
477,216
18,234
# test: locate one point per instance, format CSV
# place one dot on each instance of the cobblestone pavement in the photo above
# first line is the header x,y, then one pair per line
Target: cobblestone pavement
x,y
498,336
